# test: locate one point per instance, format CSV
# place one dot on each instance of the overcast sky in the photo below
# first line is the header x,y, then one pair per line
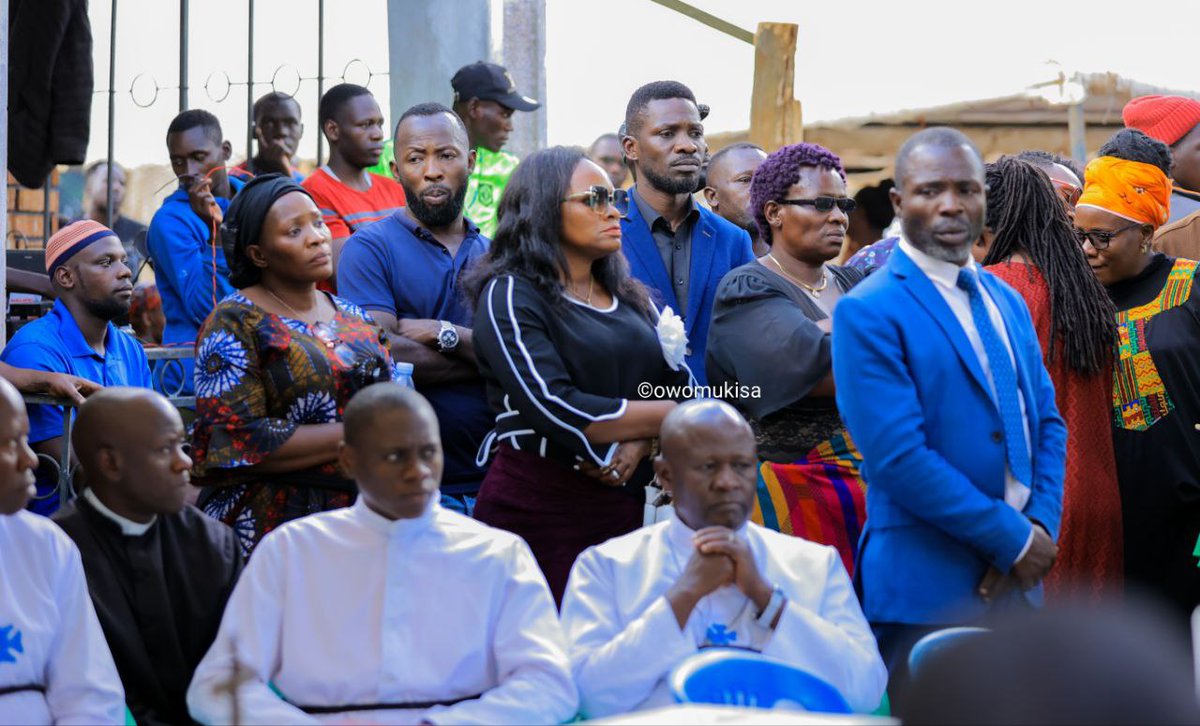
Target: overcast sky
x,y
853,57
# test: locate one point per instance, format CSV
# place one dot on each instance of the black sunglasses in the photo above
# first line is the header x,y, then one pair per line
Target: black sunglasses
x,y
599,198
1101,240
823,204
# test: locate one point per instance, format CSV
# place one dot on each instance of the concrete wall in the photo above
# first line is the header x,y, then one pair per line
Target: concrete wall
x,y
429,41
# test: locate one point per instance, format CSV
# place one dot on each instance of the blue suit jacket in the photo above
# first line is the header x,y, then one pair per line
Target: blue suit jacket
x,y
718,246
916,402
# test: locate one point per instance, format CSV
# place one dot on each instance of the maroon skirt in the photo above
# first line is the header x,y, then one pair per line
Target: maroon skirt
x,y
555,509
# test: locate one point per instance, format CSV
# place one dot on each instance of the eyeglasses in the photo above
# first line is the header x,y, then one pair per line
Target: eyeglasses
x,y
823,204
600,198
1069,193
1101,240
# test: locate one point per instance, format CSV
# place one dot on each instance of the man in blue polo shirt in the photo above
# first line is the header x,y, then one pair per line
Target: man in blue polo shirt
x,y
86,265
405,270
184,238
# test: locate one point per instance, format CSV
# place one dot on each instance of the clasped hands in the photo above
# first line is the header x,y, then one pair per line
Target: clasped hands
x,y
622,465
719,559
1028,571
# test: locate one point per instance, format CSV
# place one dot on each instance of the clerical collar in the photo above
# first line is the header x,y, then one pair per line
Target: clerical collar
x,y
128,527
396,527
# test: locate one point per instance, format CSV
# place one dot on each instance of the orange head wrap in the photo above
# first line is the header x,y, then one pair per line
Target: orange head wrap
x,y
1130,189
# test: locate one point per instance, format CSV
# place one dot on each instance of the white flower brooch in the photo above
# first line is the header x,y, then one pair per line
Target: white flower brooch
x,y
672,337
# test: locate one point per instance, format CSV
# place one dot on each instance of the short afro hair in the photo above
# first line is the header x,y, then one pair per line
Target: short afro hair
x,y
1133,145
635,110
197,118
779,171
733,147
429,109
1045,159
274,98
336,98
941,137
876,203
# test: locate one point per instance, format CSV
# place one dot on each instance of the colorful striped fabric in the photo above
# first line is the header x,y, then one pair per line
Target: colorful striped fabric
x,y
820,497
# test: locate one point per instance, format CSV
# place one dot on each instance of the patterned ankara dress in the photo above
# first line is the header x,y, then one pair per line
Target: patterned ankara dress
x,y
1155,413
764,333
1090,556
258,377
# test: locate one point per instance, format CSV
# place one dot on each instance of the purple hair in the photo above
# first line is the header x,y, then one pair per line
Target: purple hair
x,y
781,170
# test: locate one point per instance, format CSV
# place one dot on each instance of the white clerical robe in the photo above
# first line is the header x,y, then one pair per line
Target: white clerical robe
x,y
348,608
625,639
49,636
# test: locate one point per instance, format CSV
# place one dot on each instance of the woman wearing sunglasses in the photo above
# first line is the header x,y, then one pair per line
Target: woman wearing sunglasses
x,y
567,345
771,332
1031,246
1156,388
276,364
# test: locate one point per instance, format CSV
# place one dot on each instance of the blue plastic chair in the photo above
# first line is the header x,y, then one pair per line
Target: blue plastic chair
x,y
743,678
931,646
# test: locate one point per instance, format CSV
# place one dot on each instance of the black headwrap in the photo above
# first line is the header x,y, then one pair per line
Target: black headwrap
x,y
244,221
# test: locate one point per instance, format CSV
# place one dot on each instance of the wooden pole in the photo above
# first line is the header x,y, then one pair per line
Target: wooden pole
x,y
775,118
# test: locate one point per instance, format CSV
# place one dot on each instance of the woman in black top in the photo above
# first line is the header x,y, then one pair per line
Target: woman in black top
x,y
771,335
564,338
1156,384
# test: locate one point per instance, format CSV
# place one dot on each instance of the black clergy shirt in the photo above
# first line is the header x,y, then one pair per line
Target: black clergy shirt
x,y
159,596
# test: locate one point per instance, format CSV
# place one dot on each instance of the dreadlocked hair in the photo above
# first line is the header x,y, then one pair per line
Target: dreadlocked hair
x,y
1027,217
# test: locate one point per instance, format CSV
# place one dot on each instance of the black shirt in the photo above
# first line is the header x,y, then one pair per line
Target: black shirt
x,y
553,369
1156,395
159,598
675,247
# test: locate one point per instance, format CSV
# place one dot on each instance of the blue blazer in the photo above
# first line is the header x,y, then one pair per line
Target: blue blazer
x,y
718,246
916,402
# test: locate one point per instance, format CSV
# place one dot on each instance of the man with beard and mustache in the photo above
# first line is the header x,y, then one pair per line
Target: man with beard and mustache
x,y
677,248
350,197
86,265
405,270
727,187
941,385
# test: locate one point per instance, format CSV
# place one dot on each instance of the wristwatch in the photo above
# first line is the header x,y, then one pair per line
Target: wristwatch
x,y
447,338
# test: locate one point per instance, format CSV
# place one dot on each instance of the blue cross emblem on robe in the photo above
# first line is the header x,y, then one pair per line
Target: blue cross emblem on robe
x,y
719,634
10,642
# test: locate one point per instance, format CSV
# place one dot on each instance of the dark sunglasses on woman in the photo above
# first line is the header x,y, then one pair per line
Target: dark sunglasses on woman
x,y
600,198
824,204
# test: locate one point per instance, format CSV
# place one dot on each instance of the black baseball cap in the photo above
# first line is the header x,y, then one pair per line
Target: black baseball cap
x,y
490,82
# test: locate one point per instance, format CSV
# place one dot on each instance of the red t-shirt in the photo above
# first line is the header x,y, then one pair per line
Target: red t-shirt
x,y
346,210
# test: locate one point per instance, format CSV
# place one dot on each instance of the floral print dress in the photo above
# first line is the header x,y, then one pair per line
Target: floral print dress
x,y
258,377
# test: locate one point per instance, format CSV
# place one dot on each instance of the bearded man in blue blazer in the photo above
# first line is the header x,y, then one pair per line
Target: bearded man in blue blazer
x,y
677,248
941,384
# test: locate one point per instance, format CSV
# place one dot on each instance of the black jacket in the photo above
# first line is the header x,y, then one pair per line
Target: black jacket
x,y
49,86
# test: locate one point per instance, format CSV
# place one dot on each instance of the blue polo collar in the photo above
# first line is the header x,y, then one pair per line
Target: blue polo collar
x,y
415,229
72,336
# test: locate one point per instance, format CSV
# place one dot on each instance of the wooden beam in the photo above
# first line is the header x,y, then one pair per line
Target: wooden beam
x,y
708,19
775,118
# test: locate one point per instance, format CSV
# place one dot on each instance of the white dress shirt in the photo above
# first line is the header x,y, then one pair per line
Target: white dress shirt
x,y
49,634
350,608
625,640
944,276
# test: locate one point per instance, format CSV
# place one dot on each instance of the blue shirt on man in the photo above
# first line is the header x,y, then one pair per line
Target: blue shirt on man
x,y
184,271
55,343
397,266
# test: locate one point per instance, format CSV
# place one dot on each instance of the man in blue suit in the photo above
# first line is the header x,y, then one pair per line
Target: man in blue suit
x,y
941,384
678,249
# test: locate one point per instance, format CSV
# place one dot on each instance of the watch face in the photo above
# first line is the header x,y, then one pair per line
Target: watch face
x,y
448,338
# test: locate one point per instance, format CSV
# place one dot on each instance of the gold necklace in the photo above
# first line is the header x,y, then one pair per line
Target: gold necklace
x,y
280,300
591,288
814,289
